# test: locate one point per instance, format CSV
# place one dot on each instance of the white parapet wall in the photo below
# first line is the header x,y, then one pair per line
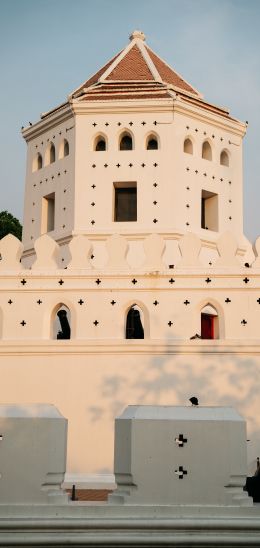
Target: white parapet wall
x,y
33,454
180,456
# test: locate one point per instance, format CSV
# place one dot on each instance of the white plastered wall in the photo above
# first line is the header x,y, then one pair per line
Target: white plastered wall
x,y
57,177
180,177
90,386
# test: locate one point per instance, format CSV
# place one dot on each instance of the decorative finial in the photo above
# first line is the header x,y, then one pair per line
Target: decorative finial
x,y
137,34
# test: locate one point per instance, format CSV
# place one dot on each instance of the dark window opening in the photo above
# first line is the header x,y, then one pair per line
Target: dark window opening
x,y
39,161
52,153
134,327
48,213
64,332
126,143
101,145
209,210
152,144
125,202
203,224
66,148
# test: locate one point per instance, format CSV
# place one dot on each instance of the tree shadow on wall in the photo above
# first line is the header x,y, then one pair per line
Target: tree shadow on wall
x,y
218,379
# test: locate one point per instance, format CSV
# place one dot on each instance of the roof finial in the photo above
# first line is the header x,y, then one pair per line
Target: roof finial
x,y
137,34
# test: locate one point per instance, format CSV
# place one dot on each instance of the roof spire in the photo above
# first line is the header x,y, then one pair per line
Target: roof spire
x,y
137,34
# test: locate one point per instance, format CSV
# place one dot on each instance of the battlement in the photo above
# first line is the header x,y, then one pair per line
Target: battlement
x,y
170,299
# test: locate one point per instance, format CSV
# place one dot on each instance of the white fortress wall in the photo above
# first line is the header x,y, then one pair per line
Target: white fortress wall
x,y
96,373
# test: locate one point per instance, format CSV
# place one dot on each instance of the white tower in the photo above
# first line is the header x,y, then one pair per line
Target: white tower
x,y
134,150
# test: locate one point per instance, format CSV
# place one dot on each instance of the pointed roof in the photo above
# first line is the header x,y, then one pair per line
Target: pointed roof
x,y
135,72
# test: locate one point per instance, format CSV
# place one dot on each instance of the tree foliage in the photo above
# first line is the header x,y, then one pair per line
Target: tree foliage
x,y
10,225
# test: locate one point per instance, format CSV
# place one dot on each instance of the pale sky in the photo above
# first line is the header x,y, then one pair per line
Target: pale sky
x,y
49,47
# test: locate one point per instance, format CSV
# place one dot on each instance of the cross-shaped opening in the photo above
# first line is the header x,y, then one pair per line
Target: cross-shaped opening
x,y
181,440
181,472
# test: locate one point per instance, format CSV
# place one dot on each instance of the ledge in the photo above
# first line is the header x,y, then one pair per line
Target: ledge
x,y
101,524
128,347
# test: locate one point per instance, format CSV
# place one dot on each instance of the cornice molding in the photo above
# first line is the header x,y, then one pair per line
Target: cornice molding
x,y
129,347
51,120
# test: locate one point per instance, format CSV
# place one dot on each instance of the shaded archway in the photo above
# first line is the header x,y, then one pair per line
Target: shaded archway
x,y
224,158
37,162
206,151
61,322
134,323
50,154
125,141
152,142
188,146
64,149
100,143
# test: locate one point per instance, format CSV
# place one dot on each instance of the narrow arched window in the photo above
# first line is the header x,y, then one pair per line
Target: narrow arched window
x,y
37,162
209,322
126,142
61,323
188,146
206,151
64,149
152,143
134,325
100,144
224,158
50,154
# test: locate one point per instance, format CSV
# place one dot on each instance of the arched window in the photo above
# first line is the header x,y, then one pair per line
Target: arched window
x,y
126,142
134,323
37,162
152,142
206,151
100,144
64,149
209,322
224,158
50,154
188,146
61,323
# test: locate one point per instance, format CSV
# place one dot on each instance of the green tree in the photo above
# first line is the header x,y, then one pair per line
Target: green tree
x,y
10,225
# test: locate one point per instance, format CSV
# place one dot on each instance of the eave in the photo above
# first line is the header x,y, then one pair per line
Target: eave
x,y
48,121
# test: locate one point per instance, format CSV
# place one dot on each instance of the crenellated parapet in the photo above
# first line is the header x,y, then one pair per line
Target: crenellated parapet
x,y
170,301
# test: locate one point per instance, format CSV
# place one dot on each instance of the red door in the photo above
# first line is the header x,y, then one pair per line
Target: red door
x,y
207,326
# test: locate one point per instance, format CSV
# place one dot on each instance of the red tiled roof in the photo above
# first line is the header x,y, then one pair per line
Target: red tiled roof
x,y
126,90
125,97
94,79
168,75
207,106
136,65
131,67
137,73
